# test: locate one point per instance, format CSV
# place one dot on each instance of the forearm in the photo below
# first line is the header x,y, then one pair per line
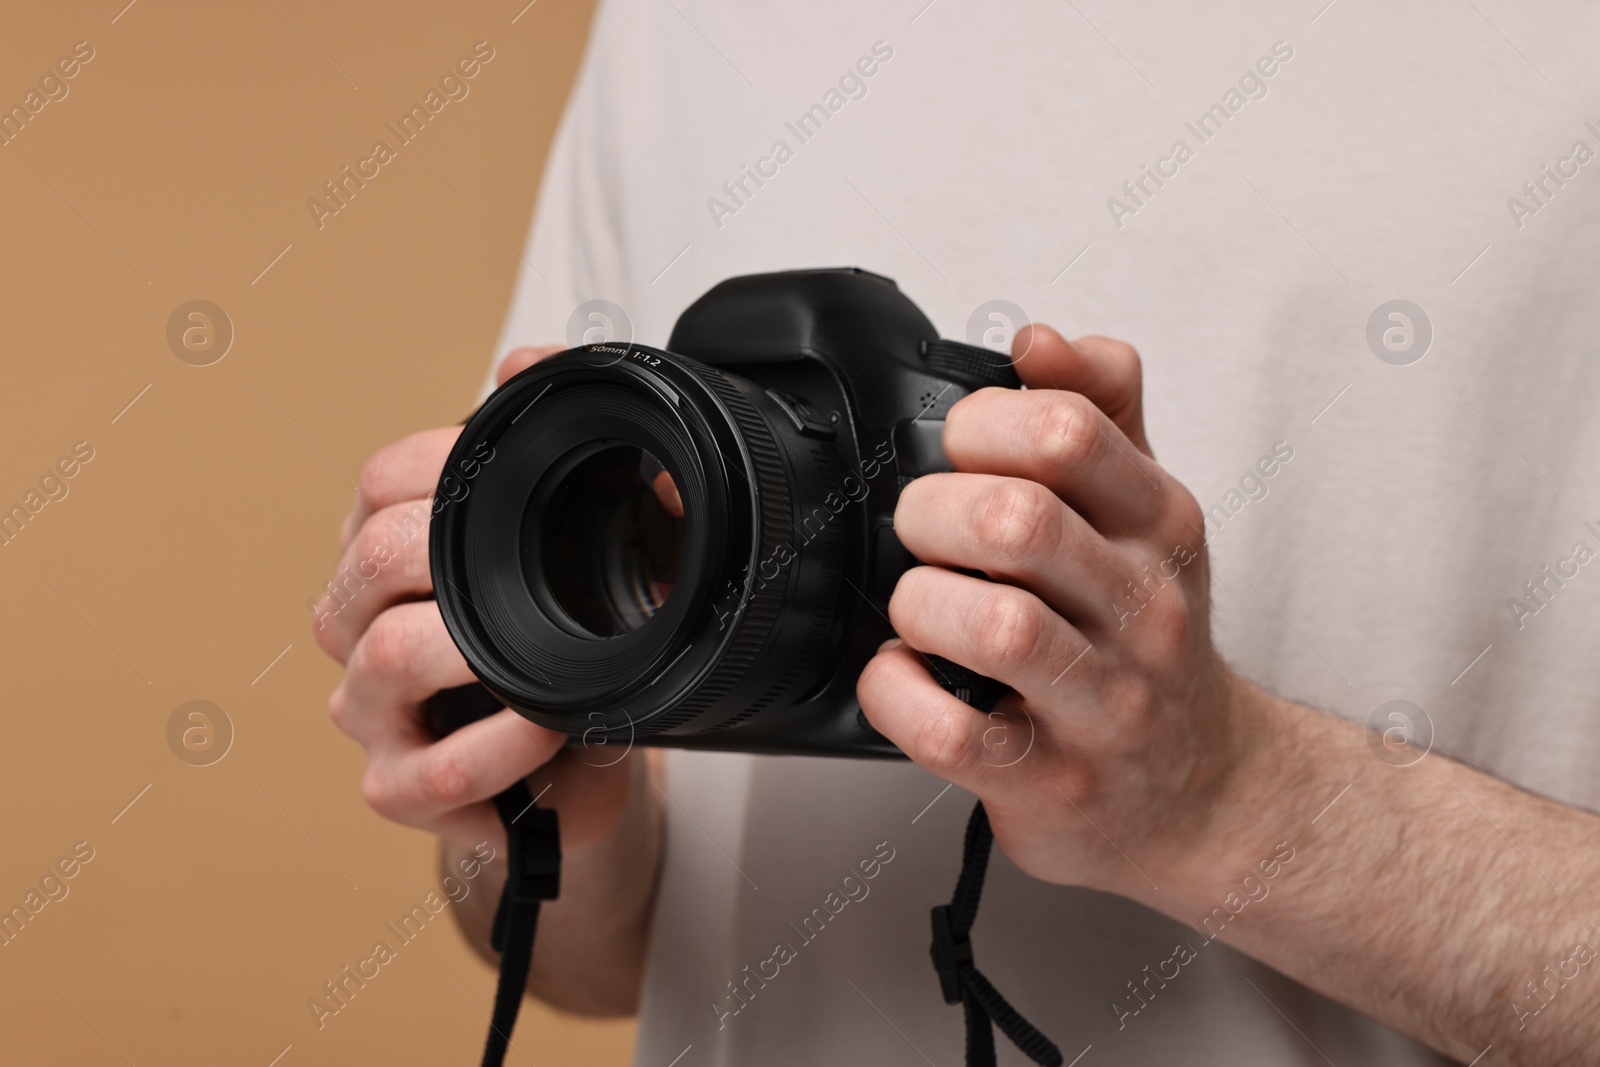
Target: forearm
x,y
1428,896
590,948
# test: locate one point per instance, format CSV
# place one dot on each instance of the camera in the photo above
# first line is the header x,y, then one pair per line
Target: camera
x,y
694,546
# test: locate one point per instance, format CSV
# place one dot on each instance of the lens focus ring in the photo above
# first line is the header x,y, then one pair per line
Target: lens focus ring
x,y
755,603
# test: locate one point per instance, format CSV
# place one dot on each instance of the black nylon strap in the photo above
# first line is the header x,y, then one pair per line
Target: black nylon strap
x,y
533,876
960,979
533,857
533,867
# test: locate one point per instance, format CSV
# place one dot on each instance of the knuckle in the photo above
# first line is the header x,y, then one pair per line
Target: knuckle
x,y
444,779
1008,627
1075,783
1169,617
943,744
1188,514
376,474
390,538
412,561
388,646
1016,520
1066,433
1188,519
377,789
1132,707
339,708
368,546
404,544
326,636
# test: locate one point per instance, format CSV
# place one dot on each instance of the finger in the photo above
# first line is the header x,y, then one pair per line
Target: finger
x,y
404,657
1000,631
385,563
1062,441
418,783
1106,371
520,359
1014,531
470,826
937,731
406,470
666,491
588,797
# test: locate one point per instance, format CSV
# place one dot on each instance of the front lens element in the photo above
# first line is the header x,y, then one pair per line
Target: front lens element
x,y
609,539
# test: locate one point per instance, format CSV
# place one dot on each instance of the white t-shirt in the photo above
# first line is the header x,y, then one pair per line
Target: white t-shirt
x,y
1331,162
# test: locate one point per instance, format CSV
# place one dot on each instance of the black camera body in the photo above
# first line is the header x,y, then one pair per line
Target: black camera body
x,y
695,546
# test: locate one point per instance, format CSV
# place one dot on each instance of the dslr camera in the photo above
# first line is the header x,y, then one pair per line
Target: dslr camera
x,y
694,546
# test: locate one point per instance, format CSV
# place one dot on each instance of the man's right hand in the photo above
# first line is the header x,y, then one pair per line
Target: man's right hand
x,y
381,622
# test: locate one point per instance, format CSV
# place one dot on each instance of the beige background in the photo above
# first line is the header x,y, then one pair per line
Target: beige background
x,y
181,561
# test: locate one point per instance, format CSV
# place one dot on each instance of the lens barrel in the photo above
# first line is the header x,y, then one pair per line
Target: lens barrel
x,y
632,557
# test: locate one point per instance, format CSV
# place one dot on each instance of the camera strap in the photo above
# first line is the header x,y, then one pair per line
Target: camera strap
x,y
959,978
533,857
533,867
534,876
533,860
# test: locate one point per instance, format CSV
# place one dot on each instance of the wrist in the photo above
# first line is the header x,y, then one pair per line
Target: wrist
x,y
1269,792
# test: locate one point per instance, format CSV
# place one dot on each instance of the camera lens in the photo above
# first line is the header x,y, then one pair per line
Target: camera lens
x,y
609,539
649,545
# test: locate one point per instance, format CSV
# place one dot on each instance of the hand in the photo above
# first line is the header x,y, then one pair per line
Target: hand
x,y
379,619
1125,727
1131,759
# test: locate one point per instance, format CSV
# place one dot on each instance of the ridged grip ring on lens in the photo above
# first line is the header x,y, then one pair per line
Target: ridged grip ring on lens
x,y
760,606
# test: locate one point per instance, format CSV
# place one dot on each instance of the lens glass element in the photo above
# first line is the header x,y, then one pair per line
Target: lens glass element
x,y
609,539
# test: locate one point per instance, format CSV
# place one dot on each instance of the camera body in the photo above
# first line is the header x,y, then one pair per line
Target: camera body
x,y
788,410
